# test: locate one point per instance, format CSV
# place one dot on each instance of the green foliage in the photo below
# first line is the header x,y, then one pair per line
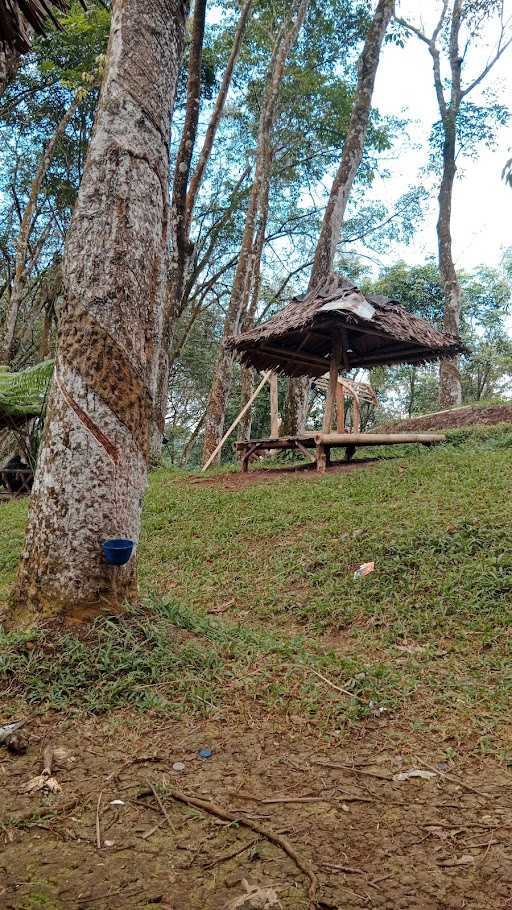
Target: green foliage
x,y
24,393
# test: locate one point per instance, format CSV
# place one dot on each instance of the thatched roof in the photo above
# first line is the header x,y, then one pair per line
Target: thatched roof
x,y
376,331
18,17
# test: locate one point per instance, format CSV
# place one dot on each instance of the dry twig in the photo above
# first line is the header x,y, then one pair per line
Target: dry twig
x,y
455,780
338,688
162,807
98,824
272,836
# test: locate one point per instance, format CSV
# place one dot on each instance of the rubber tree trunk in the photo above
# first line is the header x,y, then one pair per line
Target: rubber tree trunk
x,y
298,389
92,469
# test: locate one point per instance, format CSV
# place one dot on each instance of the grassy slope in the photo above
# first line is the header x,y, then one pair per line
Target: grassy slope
x,y
426,636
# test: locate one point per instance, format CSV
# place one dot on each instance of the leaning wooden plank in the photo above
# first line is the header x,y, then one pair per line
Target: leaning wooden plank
x,y
378,439
235,423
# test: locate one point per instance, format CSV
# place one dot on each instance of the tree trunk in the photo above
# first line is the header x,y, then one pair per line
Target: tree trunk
x,y
450,390
221,383
184,195
353,148
9,63
92,469
20,276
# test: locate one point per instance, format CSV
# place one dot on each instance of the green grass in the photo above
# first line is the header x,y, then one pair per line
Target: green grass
x,y
426,636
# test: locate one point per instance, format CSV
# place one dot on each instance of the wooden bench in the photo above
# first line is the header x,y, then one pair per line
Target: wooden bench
x,y
322,443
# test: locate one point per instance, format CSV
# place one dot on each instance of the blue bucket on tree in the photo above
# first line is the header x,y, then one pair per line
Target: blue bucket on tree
x,y
117,551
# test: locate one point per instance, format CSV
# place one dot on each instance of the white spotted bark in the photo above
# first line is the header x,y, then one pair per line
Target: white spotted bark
x,y
92,469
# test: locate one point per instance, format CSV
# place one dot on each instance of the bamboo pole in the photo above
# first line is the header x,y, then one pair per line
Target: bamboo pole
x,y
235,423
377,439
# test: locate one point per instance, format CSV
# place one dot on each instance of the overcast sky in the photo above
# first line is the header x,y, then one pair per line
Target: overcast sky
x,y
482,202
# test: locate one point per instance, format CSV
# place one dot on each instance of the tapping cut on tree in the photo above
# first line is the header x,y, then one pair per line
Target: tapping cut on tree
x,y
93,464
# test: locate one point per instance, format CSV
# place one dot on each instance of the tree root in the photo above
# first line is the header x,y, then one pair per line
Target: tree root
x,y
277,839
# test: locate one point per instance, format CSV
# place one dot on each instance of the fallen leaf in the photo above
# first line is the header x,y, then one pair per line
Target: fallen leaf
x,y
255,898
414,772
42,782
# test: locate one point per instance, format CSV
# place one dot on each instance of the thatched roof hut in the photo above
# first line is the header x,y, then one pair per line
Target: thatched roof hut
x,y
19,17
374,331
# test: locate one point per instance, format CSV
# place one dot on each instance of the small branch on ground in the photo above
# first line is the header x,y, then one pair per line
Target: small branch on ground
x,y
272,836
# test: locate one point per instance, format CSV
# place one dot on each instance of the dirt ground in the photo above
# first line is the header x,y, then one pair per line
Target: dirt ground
x,y
372,841
238,481
458,417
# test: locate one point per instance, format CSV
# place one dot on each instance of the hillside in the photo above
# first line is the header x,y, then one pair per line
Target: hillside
x,y
312,689
469,416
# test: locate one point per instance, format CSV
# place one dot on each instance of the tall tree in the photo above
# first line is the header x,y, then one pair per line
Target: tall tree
x,y
250,252
459,21
92,468
353,148
186,187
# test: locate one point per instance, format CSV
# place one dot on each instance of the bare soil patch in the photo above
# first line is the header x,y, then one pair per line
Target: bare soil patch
x,y
372,841
239,481
458,417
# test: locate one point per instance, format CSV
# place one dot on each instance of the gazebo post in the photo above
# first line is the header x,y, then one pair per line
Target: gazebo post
x,y
274,407
340,408
336,355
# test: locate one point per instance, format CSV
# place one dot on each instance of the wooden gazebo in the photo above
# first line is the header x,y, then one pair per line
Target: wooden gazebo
x,y
337,328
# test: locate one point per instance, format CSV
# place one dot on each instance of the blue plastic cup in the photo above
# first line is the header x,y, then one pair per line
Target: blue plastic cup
x,y
117,551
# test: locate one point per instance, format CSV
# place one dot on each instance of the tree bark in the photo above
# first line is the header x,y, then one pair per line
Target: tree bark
x,y
10,60
92,469
450,391
222,377
450,386
353,148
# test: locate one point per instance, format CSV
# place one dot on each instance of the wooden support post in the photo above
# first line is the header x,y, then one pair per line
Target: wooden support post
x,y
356,415
275,422
340,408
321,459
336,355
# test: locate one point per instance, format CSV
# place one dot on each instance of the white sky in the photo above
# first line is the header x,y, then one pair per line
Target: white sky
x,y
481,225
